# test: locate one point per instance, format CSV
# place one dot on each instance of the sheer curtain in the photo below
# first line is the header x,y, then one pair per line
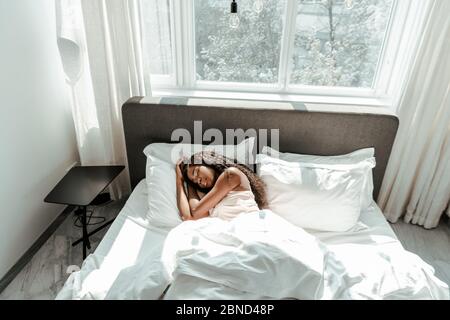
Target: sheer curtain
x,y
417,181
99,43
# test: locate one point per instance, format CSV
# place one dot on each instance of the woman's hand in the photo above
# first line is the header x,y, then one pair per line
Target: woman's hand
x,y
180,177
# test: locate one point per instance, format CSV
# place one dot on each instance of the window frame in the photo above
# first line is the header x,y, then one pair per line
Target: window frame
x,y
394,62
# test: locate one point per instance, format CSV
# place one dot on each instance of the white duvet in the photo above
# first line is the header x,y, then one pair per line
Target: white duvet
x,y
258,256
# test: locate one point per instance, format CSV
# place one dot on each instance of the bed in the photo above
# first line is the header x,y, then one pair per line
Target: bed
x,y
128,262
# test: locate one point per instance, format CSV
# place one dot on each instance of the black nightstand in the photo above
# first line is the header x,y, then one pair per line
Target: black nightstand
x,y
79,187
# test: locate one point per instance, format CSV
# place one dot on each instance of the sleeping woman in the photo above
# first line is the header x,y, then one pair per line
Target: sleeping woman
x,y
217,187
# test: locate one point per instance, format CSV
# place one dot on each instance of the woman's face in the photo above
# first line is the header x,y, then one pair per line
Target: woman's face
x,y
203,176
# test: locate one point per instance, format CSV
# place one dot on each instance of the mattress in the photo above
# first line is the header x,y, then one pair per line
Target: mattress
x,y
131,239
131,242
131,231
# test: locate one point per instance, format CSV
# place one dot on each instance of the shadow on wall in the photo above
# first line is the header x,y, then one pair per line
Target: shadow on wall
x,y
91,146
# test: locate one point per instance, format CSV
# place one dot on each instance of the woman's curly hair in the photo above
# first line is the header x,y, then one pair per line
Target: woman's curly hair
x,y
219,164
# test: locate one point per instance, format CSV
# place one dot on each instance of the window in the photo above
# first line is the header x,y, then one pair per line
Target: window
x,y
250,53
338,46
157,38
334,48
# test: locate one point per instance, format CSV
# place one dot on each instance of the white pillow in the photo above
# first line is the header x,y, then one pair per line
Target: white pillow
x,y
351,158
160,175
324,197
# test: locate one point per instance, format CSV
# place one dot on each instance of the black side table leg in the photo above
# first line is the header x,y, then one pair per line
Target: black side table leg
x,y
94,231
86,242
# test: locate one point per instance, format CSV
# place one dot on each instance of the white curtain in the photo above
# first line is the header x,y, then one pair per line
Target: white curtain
x,y
99,43
417,181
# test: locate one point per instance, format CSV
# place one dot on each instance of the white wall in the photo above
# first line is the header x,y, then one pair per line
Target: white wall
x,y
37,137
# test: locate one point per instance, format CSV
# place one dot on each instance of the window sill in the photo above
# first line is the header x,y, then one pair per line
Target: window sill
x,y
280,100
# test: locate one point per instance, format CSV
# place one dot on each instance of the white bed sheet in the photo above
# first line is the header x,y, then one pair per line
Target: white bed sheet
x,y
131,242
130,227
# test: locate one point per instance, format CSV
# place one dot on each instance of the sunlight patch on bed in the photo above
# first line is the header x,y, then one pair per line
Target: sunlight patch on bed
x,y
127,246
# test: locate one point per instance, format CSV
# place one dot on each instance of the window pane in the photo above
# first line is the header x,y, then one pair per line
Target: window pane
x,y
156,34
249,53
339,42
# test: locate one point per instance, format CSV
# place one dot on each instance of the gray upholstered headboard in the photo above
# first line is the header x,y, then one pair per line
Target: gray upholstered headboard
x,y
306,132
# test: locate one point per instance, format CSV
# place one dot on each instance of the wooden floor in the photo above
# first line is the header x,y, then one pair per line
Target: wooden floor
x,y
433,246
45,274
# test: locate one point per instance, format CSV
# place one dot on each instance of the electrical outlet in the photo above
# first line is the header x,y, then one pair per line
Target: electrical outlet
x,y
72,269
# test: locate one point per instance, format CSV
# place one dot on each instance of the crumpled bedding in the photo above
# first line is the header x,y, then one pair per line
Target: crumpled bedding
x,y
258,256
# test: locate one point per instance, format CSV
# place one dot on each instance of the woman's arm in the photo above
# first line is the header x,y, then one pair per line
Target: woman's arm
x,y
193,196
182,201
226,182
191,208
185,202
